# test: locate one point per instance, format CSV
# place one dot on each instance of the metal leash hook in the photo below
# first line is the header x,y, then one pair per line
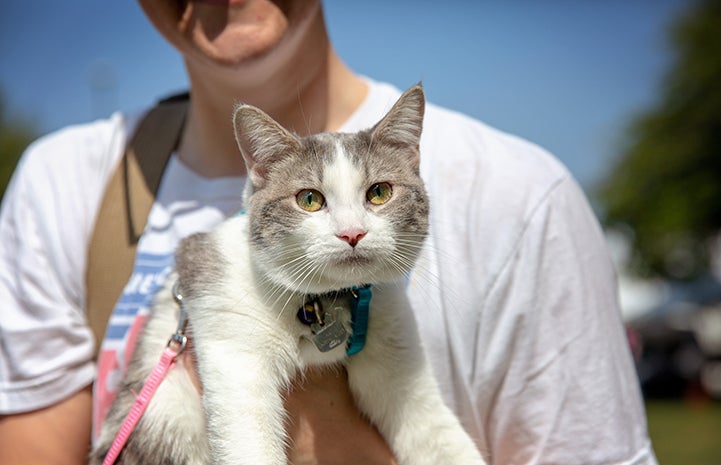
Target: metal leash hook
x,y
179,338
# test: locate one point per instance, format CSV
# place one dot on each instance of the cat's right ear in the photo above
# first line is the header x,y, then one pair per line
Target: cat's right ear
x,y
403,124
261,141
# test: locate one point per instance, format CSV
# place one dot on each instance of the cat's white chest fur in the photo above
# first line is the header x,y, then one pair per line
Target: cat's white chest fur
x,y
250,344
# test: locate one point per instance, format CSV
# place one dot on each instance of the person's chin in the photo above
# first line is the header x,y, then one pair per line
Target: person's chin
x,y
231,50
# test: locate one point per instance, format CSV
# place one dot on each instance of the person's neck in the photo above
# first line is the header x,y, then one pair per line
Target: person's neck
x,y
309,94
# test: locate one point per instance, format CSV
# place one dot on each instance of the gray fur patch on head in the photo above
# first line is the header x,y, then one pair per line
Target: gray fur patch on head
x,y
272,210
396,164
199,264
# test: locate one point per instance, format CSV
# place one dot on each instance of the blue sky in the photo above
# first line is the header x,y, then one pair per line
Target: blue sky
x,y
567,74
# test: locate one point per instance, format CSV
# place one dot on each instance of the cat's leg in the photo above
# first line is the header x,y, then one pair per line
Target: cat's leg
x,y
392,383
172,429
244,367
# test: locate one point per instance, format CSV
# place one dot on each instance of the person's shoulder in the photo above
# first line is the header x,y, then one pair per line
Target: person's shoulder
x,y
501,178
455,139
82,148
74,160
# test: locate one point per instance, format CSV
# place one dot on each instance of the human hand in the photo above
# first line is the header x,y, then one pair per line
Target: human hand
x,y
323,424
326,428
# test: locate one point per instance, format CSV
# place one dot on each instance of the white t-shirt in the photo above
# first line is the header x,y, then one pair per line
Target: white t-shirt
x,y
514,294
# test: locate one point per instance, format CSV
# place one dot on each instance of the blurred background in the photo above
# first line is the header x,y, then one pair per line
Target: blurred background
x,y
627,93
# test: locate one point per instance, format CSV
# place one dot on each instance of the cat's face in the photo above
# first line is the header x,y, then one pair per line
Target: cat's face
x,y
335,210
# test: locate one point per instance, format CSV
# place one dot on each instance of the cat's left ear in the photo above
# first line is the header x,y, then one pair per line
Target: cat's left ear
x,y
403,124
261,141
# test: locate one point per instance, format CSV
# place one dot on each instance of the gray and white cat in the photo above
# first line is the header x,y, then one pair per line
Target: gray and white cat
x,y
325,214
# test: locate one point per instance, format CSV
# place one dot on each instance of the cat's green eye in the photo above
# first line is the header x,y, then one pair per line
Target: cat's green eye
x,y
310,200
379,193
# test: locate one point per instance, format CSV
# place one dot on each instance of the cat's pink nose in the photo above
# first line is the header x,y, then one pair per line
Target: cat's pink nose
x,y
352,236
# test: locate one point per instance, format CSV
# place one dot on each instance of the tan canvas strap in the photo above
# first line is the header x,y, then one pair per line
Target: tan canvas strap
x,y
124,209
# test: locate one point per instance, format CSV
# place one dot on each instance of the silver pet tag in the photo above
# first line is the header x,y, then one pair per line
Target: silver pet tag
x,y
331,333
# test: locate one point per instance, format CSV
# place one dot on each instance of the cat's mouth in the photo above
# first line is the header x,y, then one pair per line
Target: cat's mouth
x,y
354,260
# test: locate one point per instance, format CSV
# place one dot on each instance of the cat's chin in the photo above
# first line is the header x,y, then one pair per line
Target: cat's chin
x,y
349,275
351,272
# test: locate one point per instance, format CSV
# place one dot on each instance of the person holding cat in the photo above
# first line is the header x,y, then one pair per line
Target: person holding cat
x,y
514,293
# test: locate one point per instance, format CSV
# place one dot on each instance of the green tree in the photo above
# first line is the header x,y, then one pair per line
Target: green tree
x,y
14,138
667,185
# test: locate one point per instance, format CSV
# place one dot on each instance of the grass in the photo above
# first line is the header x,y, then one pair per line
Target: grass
x,y
685,433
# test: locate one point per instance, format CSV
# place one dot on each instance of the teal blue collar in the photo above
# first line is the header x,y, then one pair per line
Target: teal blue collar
x,y
359,318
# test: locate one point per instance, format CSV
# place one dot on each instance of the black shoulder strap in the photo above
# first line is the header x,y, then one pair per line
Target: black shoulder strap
x,y
125,206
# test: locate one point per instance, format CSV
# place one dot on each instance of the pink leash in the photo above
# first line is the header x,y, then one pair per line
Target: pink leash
x,y
167,361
